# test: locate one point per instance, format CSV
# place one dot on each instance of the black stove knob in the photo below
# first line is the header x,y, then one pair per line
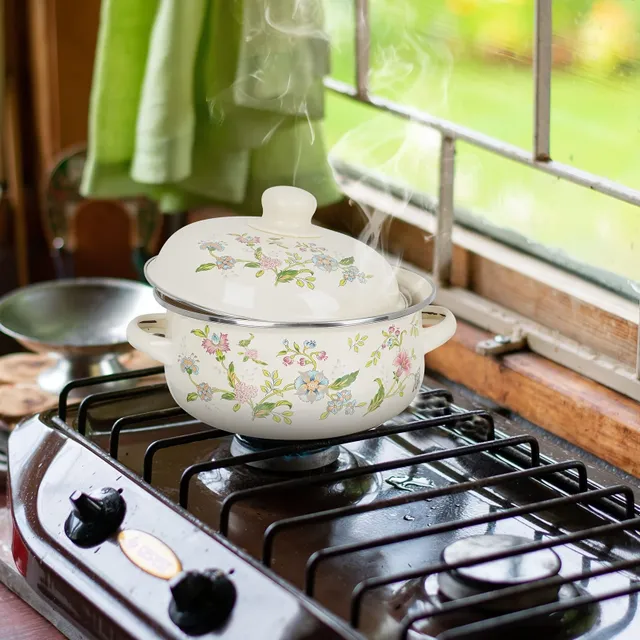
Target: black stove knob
x,y
202,601
94,517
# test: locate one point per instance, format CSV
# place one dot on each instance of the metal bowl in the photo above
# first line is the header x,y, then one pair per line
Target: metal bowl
x,y
82,321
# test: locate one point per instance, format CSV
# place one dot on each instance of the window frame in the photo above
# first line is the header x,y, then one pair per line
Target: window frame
x,y
484,281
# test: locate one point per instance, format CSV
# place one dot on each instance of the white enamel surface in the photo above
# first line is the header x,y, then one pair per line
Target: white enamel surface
x,y
287,211
278,267
325,382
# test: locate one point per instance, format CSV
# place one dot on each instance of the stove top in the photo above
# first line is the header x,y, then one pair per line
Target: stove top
x,y
137,521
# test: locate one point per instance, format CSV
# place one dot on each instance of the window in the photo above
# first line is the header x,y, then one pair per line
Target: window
x,y
471,62
538,103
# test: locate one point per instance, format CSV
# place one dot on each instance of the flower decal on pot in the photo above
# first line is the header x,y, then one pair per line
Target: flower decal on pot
x,y
291,267
393,339
274,398
189,364
311,386
213,246
241,393
299,375
342,401
217,344
249,353
204,391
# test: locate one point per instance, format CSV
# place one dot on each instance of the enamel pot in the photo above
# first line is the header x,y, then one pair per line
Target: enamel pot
x,y
278,329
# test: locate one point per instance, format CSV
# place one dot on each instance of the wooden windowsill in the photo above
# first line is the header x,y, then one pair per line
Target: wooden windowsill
x,y
561,401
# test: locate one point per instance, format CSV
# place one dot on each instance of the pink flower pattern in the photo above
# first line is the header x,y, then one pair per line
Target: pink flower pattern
x,y
245,393
403,363
269,263
217,343
248,239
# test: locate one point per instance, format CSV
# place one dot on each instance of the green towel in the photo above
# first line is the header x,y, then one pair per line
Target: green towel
x,y
208,101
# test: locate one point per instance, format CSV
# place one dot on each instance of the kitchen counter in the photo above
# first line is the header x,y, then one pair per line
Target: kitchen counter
x,y
19,620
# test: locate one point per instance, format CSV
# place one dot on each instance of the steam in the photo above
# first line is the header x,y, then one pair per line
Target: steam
x,y
400,70
304,21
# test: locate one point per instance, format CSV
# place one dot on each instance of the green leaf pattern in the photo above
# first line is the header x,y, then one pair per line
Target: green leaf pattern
x,y
393,341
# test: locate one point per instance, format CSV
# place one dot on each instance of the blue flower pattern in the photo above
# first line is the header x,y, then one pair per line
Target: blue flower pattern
x,y
342,401
311,386
325,262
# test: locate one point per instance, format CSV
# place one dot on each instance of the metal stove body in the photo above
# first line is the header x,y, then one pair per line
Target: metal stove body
x,y
443,523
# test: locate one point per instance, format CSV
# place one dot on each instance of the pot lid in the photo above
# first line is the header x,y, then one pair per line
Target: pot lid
x,y
278,267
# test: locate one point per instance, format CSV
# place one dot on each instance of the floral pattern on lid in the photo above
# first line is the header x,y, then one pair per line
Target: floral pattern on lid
x,y
293,268
276,267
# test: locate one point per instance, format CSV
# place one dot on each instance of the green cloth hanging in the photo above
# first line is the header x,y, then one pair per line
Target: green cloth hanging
x,y
208,101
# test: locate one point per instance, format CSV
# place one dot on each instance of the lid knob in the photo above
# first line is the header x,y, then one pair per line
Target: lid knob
x,y
287,211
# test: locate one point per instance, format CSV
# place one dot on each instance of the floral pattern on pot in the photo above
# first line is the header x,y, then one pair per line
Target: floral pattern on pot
x,y
305,383
403,360
313,385
294,267
300,375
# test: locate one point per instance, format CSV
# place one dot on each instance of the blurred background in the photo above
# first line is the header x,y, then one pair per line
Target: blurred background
x,y
470,61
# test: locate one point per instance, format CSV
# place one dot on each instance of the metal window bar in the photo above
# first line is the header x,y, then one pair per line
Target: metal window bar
x,y
363,47
443,255
542,64
539,158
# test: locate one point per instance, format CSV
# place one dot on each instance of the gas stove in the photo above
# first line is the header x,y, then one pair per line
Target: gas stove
x,y
135,521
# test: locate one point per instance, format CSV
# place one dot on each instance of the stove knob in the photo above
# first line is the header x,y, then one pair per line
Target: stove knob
x,y
94,517
202,601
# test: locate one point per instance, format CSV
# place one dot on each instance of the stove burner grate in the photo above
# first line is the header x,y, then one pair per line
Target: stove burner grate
x,y
460,574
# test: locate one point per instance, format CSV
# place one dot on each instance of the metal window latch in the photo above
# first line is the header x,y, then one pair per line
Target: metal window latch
x,y
501,344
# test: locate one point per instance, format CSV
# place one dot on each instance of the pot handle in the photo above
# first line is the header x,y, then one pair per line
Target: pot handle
x,y
438,326
147,333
